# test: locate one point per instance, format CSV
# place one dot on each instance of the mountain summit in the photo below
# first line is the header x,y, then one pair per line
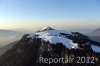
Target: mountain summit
x,y
45,29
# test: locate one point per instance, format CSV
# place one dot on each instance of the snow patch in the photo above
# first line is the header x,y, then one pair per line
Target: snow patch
x,y
95,48
53,36
56,39
54,32
46,29
32,36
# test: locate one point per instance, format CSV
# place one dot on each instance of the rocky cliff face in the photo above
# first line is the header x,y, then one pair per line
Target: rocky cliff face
x,y
35,50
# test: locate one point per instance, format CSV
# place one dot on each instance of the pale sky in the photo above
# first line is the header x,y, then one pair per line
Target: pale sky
x,y
64,14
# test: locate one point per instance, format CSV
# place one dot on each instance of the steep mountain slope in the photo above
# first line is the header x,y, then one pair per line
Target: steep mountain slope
x,y
52,44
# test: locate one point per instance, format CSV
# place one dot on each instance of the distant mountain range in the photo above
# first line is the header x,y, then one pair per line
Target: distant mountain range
x,y
95,35
51,43
95,32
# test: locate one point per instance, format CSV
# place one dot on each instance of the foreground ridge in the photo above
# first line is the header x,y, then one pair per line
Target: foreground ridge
x,y
52,44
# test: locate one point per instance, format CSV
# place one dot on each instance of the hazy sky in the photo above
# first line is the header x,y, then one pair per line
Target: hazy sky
x,y
31,14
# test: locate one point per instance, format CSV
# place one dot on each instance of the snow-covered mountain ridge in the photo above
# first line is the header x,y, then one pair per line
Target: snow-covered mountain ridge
x,y
67,38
